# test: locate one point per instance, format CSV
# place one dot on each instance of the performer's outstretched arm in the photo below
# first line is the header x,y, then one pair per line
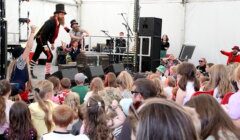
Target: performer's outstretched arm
x,y
225,53
29,44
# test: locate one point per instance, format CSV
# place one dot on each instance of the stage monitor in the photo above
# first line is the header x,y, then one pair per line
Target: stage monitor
x,y
186,52
69,73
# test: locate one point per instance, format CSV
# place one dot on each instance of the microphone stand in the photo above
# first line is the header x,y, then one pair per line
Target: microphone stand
x,y
128,37
110,49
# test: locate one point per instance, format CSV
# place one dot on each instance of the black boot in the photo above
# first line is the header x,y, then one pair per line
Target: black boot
x,y
47,76
33,76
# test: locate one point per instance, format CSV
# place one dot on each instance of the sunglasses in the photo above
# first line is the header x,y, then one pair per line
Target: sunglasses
x,y
135,92
200,61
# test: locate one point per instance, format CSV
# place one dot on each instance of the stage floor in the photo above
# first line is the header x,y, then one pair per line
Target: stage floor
x,y
39,71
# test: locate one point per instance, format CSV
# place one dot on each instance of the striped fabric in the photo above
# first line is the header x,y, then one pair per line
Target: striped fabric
x,y
32,64
48,68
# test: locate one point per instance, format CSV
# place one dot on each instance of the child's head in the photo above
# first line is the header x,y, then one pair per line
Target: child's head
x,y
62,116
56,82
65,83
73,101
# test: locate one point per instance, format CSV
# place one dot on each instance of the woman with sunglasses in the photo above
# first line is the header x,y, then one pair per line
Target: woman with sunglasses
x,y
202,65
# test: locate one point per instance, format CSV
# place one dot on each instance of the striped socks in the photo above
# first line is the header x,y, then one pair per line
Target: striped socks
x,y
48,68
32,64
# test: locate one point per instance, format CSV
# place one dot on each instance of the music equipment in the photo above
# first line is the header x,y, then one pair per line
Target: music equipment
x,y
150,26
94,71
186,52
136,17
69,73
115,68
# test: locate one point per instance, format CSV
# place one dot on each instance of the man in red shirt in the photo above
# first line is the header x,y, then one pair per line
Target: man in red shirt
x,y
232,56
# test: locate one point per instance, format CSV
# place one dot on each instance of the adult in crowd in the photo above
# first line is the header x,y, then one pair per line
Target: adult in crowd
x,y
80,88
202,65
187,82
41,110
142,89
5,105
20,126
165,42
233,56
77,33
18,71
48,33
215,123
159,114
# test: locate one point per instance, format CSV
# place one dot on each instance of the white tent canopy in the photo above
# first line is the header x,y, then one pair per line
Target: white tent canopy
x,y
211,25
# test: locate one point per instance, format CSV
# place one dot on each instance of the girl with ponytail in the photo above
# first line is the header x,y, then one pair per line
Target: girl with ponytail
x,y
41,110
5,105
187,82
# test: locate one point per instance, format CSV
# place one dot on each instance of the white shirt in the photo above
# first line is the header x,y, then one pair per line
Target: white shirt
x,y
63,136
189,91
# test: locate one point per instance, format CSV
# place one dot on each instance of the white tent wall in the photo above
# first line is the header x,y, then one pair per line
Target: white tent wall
x,y
99,15
39,11
212,26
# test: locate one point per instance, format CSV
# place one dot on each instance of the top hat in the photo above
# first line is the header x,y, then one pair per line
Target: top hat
x,y
60,9
73,22
236,48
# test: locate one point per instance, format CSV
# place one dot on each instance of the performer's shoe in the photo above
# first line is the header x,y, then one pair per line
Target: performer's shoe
x,y
47,75
33,76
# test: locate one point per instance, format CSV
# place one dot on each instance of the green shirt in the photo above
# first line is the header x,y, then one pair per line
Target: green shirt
x,y
81,91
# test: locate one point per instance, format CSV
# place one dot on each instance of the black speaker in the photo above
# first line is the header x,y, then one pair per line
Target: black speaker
x,y
150,26
2,9
149,64
115,68
69,73
3,48
94,71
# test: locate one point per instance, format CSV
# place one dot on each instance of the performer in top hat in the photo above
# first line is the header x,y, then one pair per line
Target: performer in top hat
x,y
232,56
48,33
77,33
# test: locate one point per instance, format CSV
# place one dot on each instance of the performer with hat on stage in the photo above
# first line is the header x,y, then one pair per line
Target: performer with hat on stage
x,y
77,33
48,33
232,56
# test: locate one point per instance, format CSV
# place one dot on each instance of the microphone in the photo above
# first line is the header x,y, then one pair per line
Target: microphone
x,y
104,31
122,13
124,24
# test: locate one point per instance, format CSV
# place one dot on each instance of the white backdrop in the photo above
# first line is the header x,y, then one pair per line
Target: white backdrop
x,y
211,25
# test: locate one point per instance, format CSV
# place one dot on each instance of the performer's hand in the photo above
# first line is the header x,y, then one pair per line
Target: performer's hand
x,y
33,28
52,47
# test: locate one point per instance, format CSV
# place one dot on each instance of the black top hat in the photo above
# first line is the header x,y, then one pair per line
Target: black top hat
x,y
73,22
60,9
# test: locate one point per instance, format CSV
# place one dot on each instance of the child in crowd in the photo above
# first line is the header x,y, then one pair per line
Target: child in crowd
x,y
21,126
41,110
5,105
65,90
62,117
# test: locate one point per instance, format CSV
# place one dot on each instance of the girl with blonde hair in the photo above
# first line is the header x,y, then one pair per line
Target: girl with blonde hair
x,y
41,110
96,86
125,82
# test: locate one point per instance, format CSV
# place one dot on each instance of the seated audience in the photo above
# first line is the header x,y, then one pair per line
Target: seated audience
x,y
202,65
95,124
233,108
80,88
65,90
170,83
56,84
219,82
96,86
41,110
5,105
20,126
188,83
159,114
215,123
73,101
62,117
124,82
